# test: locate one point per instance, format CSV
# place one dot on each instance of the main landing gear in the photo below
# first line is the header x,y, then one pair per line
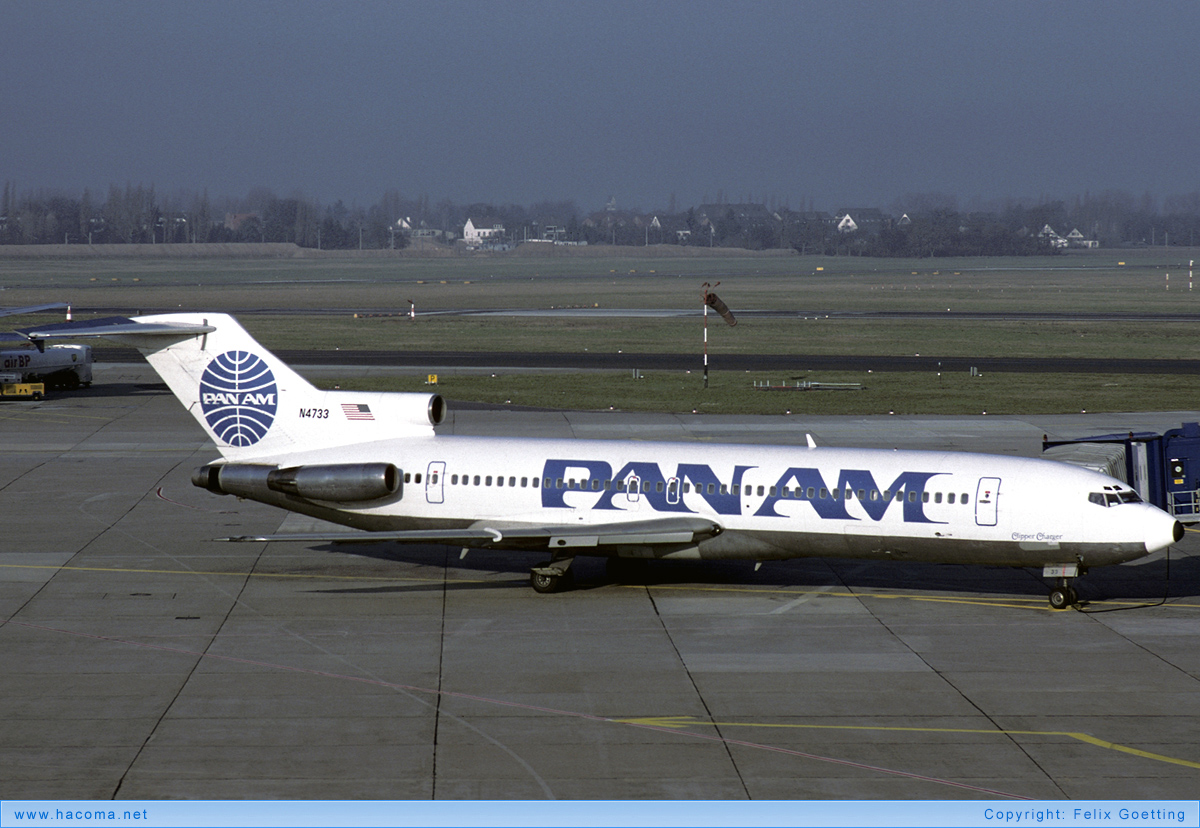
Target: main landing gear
x,y
552,577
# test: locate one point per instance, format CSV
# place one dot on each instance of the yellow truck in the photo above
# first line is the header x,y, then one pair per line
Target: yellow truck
x,y
11,387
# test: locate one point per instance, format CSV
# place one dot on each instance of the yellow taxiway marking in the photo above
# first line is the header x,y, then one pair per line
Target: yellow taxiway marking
x,y
1036,604
1016,603
683,722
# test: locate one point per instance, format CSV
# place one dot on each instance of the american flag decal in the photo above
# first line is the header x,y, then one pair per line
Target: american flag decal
x,y
357,411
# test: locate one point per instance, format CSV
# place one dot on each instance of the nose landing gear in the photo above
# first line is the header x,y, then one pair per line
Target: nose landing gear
x,y
1063,595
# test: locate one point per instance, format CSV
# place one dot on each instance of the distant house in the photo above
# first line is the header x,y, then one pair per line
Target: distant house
x,y
1076,239
1050,236
552,225
870,220
482,231
422,230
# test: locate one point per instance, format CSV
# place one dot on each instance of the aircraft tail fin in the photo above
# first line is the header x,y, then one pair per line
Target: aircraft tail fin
x,y
248,400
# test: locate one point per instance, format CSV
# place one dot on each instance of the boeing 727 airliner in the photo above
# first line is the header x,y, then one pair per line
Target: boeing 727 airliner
x,y
372,462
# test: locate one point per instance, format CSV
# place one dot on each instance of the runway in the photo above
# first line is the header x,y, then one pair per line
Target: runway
x,y
143,660
575,312
570,361
423,361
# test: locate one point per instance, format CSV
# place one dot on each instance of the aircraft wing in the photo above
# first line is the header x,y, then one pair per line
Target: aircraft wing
x,y
662,532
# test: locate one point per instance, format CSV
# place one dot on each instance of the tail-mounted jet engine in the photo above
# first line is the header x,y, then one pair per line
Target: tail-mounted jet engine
x,y
341,483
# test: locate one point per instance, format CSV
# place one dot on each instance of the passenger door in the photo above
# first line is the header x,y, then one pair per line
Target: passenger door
x,y
435,481
987,497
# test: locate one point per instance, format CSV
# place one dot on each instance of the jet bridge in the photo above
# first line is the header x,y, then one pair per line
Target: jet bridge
x,y
1164,469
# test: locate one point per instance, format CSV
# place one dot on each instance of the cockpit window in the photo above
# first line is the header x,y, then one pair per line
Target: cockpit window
x,y
1111,499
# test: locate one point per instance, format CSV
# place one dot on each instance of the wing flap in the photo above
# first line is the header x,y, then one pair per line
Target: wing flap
x,y
662,532
453,537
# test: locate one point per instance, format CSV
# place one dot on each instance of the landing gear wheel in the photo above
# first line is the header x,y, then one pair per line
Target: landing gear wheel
x,y
544,583
1063,597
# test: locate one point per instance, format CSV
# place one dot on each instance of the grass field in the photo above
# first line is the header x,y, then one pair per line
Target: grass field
x,y
1171,340
1081,281
734,392
295,290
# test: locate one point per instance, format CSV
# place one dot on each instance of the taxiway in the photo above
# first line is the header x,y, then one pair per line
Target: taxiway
x,y
143,660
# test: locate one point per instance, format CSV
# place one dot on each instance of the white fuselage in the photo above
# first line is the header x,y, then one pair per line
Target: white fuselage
x,y
772,502
373,461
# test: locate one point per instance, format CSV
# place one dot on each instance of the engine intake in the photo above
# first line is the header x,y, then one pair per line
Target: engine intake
x,y
437,409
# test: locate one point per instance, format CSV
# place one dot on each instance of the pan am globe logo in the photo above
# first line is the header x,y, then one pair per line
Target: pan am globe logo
x,y
238,397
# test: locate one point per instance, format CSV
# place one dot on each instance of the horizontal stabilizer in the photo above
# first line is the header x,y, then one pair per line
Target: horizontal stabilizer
x,y
114,326
32,309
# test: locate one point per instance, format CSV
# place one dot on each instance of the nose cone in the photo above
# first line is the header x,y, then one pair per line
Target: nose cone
x,y
1161,530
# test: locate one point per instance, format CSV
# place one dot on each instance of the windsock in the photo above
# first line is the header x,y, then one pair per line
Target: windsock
x,y
714,302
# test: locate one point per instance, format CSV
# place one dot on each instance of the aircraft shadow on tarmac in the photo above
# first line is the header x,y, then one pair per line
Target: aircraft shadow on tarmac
x,y
1175,577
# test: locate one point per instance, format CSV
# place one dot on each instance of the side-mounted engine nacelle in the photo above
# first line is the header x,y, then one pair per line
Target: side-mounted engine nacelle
x,y
341,483
417,409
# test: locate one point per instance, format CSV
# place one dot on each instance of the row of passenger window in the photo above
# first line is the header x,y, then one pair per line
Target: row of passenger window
x,y
672,487
488,480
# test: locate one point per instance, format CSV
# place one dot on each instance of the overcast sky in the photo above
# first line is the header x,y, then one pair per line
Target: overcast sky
x,y
829,103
